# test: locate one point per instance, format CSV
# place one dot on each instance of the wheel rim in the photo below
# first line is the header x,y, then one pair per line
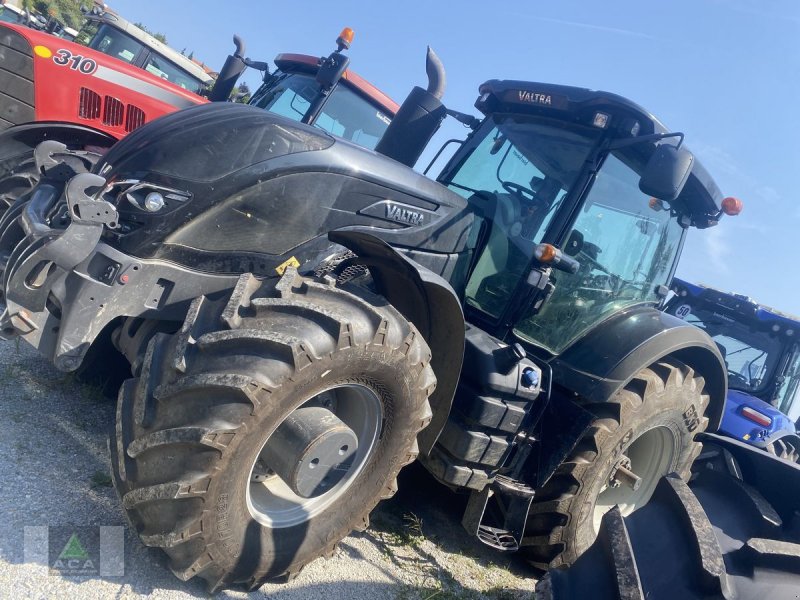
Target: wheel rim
x,y
272,500
651,456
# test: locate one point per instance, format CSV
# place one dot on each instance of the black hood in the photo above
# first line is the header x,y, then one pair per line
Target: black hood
x,y
208,142
246,190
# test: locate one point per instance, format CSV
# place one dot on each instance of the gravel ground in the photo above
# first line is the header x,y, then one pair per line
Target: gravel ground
x,y
54,472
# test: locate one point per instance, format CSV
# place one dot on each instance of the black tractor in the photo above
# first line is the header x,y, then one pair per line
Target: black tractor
x,y
302,317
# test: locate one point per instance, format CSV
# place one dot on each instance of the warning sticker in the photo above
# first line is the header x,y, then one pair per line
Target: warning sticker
x,y
292,262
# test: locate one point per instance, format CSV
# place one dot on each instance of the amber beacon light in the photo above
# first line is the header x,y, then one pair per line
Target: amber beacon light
x,y
345,38
732,206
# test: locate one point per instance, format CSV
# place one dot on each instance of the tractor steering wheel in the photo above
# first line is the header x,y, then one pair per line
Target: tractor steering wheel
x,y
519,190
739,378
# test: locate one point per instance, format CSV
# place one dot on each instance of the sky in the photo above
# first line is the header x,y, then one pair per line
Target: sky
x,y
725,72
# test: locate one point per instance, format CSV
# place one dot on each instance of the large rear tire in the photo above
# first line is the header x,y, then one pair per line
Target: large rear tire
x,y
202,432
647,428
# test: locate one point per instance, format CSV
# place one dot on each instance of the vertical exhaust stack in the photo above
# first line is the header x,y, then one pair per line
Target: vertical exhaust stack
x,y
419,117
230,72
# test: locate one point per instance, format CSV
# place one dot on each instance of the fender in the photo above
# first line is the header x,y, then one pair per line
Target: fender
x,y
430,303
18,140
604,360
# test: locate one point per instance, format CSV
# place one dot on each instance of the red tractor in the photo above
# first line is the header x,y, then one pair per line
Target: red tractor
x,y
52,89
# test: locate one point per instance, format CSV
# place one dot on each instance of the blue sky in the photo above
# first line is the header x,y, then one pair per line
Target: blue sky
x,y
725,72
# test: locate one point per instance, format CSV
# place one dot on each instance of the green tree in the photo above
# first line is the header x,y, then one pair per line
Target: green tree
x,y
66,11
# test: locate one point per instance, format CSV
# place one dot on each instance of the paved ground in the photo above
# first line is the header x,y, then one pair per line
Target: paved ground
x,y
54,472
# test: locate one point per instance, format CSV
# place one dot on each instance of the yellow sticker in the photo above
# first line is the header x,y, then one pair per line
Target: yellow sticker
x,y
746,436
292,262
43,51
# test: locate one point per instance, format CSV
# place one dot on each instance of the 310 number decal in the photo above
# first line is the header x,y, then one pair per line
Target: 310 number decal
x,y
76,62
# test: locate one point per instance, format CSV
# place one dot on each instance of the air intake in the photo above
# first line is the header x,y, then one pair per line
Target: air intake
x,y
134,118
89,106
113,112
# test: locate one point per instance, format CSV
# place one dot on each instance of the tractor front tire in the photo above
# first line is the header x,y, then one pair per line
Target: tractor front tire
x,y
648,429
210,437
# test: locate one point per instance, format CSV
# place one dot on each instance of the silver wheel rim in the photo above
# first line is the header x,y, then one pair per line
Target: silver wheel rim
x,y
272,502
651,457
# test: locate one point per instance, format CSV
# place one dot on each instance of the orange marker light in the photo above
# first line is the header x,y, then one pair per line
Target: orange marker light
x,y
545,253
346,37
732,206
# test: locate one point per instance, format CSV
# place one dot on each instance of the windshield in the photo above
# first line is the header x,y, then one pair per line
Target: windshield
x,y
110,40
517,176
625,248
163,68
750,354
9,16
344,114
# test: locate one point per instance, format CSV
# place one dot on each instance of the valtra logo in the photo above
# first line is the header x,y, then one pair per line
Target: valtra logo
x,y
535,98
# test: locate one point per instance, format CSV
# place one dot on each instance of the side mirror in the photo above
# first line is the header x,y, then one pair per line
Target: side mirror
x,y
666,172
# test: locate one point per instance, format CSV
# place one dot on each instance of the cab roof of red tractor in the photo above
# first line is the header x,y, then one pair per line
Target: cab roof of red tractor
x,y
309,64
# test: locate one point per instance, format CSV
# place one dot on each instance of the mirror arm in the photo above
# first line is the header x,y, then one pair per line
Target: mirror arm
x,y
464,119
617,144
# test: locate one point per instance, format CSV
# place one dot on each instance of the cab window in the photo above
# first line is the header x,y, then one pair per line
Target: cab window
x,y
345,114
161,67
787,392
113,42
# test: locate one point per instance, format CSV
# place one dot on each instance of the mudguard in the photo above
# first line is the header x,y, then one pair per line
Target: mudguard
x,y
604,360
430,303
18,140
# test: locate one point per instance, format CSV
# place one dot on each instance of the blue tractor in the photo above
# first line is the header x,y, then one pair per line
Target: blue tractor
x,y
761,347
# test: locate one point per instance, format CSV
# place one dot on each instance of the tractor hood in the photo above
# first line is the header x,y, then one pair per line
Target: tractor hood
x,y
232,188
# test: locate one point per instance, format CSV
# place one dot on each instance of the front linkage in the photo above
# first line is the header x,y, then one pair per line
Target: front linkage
x,y
61,283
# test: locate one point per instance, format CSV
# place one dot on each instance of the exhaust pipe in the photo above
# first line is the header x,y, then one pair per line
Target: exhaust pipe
x,y
437,80
419,117
229,74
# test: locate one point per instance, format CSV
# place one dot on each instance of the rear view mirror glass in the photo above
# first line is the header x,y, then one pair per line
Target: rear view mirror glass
x,y
666,172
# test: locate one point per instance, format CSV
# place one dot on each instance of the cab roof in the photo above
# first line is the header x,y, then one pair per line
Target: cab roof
x,y
701,197
309,64
744,307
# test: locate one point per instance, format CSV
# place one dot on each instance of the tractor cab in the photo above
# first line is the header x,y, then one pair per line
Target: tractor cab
x,y
110,34
322,92
762,356
353,109
582,199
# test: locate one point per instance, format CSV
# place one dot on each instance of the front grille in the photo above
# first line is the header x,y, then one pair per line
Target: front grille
x,y
134,119
113,112
16,79
89,104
